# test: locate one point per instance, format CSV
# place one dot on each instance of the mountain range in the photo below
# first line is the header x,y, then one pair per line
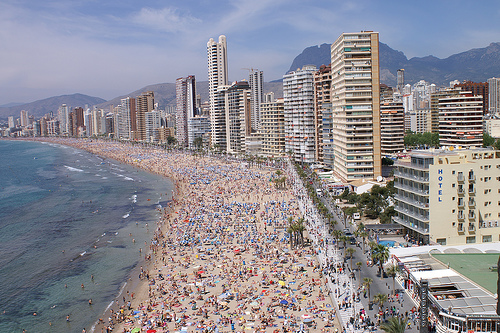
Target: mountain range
x,y
476,65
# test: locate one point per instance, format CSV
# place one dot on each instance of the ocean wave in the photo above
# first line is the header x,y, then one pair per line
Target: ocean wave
x,y
73,169
134,198
126,215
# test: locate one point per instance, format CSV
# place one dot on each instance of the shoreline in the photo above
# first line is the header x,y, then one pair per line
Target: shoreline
x,y
159,313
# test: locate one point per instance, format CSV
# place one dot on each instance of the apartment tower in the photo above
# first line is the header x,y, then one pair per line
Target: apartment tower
x,y
256,82
356,105
185,92
145,103
322,93
494,95
298,96
217,76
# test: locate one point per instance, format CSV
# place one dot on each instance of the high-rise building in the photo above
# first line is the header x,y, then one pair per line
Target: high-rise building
x,y
24,118
198,127
461,120
401,80
298,98
218,119
322,94
433,120
272,126
217,76
185,92
63,117
123,118
238,124
449,197
153,123
11,122
477,89
494,95
78,123
392,127
145,103
256,82
356,105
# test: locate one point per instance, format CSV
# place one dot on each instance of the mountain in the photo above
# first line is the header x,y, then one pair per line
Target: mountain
x,y
477,65
44,106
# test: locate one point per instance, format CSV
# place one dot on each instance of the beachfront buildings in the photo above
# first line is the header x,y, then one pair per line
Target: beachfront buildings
x,y
217,83
449,197
256,83
298,97
392,127
461,120
494,95
185,94
272,126
145,103
355,99
198,127
322,95
237,113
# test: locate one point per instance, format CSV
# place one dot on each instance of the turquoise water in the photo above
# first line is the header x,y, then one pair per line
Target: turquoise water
x,y
387,243
67,215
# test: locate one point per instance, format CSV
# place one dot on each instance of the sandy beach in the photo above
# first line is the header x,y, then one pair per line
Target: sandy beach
x,y
220,258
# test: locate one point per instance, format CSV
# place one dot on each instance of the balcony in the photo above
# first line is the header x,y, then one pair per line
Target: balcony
x,y
472,178
411,189
413,226
411,177
461,203
460,178
472,203
472,215
472,191
472,228
413,214
412,202
461,227
461,190
461,215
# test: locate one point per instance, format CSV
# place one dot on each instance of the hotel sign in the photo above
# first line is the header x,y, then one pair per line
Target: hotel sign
x,y
440,185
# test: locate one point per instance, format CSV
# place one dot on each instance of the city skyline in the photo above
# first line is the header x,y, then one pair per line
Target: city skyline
x,y
108,49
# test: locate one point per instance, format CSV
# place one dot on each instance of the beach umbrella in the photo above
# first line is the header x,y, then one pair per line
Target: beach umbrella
x,y
282,283
136,330
306,316
151,331
284,302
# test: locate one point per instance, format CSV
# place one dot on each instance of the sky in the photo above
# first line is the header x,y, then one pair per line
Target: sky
x,y
108,48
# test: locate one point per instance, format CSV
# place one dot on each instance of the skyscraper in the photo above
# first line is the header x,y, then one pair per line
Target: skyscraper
x,y
298,96
401,80
356,105
256,81
322,91
185,92
237,106
63,116
217,76
24,118
494,95
145,103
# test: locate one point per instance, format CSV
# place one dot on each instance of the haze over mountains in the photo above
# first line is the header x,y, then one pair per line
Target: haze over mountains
x,y
476,65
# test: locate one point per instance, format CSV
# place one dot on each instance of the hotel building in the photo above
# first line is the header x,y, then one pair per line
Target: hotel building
x,y
449,197
272,126
392,127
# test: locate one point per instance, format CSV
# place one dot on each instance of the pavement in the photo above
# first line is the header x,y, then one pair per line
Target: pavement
x,y
344,286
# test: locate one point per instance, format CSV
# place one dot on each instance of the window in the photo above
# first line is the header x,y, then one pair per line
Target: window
x,y
453,211
486,238
441,241
453,172
470,239
453,185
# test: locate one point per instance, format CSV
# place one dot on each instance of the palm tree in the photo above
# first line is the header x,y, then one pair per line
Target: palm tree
x,y
395,325
363,234
367,282
392,271
299,228
350,251
358,265
344,239
380,299
336,234
290,232
380,254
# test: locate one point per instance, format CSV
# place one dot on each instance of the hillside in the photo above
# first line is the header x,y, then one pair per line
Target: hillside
x,y
51,104
477,65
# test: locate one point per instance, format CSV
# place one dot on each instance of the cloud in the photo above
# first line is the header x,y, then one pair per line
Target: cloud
x,y
165,19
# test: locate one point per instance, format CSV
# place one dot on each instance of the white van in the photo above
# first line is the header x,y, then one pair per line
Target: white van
x,y
319,192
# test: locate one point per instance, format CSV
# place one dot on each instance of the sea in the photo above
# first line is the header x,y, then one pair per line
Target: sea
x,y
73,227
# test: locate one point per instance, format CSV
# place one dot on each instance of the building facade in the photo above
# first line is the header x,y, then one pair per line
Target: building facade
x,y
494,95
356,106
461,120
392,127
238,124
256,82
145,103
198,126
449,197
185,92
272,126
322,93
298,99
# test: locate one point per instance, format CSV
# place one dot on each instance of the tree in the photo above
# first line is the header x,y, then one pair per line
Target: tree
x,y
198,142
488,141
380,254
358,265
392,271
380,299
171,140
367,283
336,234
350,251
395,325
363,234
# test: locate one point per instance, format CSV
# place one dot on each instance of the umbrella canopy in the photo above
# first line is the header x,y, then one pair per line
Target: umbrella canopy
x,y
136,330
282,283
151,331
284,302
306,316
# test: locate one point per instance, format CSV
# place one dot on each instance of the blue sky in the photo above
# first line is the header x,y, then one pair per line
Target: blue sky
x,y
110,48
